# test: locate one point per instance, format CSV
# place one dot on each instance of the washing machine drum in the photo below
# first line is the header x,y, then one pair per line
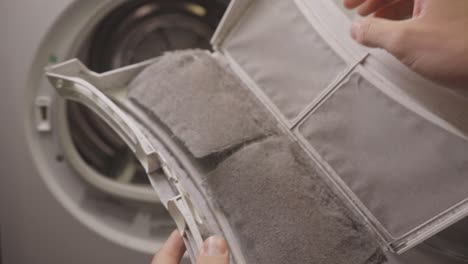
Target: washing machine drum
x,y
294,150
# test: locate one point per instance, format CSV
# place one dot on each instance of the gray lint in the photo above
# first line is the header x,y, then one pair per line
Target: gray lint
x,y
283,213
202,102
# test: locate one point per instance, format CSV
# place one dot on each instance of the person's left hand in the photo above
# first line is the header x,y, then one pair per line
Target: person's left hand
x,y
214,251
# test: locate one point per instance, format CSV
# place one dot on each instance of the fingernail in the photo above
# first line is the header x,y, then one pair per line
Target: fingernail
x,y
355,30
214,246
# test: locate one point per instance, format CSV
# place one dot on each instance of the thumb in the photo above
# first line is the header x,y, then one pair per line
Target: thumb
x,y
214,251
392,36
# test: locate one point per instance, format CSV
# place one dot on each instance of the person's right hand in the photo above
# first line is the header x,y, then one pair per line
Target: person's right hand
x,y
429,36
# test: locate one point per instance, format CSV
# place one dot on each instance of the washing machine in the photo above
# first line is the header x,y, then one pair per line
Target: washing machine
x,y
71,191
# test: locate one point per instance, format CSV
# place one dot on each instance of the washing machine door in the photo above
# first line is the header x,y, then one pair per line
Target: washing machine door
x,y
71,186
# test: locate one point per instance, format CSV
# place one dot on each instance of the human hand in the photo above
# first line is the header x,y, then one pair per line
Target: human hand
x,y
214,251
429,36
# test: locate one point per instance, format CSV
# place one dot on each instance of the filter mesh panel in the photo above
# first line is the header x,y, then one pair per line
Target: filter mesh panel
x,y
268,188
404,168
281,51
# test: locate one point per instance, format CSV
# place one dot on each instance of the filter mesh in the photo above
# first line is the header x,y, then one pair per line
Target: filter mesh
x,y
282,52
392,158
267,187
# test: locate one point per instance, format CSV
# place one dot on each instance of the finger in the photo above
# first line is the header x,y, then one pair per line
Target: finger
x,y
397,10
371,6
351,4
215,251
172,251
393,36
418,7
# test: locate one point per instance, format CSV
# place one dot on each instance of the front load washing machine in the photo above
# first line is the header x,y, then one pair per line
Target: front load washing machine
x,y
71,191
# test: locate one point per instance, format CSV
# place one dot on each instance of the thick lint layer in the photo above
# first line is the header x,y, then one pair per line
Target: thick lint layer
x,y
201,101
282,211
